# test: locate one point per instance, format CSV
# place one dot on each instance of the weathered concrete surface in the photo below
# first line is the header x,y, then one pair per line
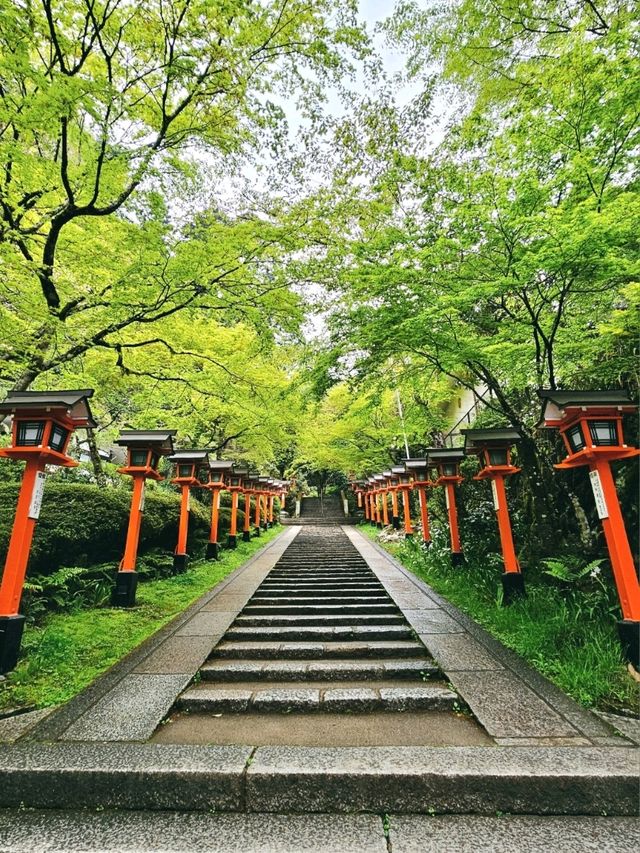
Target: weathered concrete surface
x,y
126,832
406,729
127,776
544,780
509,834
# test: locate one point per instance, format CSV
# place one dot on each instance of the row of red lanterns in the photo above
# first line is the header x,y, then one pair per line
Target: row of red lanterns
x,y
590,424
43,423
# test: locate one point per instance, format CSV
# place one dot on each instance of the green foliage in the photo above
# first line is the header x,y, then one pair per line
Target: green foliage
x,y
82,525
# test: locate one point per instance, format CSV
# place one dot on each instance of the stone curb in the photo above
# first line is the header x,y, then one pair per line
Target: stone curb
x,y
61,719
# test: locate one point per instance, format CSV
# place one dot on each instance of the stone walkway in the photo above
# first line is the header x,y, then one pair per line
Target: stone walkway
x,y
321,677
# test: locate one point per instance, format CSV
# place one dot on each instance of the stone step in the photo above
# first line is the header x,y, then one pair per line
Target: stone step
x,y
384,608
320,633
321,592
305,698
338,649
320,620
302,780
318,601
327,670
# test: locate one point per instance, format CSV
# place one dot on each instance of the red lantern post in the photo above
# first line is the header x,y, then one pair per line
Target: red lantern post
x,y
405,484
218,470
590,423
235,486
419,469
448,461
493,447
264,504
43,422
144,449
385,497
188,464
249,489
392,487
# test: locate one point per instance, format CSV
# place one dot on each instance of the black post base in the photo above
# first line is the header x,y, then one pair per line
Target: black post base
x,y
11,628
180,563
213,551
396,522
408,535
265,526
124,592
372,522
257,531
379,525
246,536
426,544
629,633
512,587
232,542
458,558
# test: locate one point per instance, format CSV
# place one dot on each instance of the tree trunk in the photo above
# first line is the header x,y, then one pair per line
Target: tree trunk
x,y
96,461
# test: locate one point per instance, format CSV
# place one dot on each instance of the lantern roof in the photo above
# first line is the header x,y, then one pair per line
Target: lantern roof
x,y
387,474
197,457
476,439
74,403
398,469
221,464
378,477
445,454
555,402
415,464
159,440
240,469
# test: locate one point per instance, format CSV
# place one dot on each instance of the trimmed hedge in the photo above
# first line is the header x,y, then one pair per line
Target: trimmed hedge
x,y
83,525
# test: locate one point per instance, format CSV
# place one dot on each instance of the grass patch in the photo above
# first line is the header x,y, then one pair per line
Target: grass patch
x,y
67,651
566,634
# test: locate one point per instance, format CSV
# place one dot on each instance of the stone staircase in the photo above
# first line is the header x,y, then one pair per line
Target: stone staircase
x,y
320,634
321,511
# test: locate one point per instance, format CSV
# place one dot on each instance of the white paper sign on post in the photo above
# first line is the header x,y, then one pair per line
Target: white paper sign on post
x,y
494,490
598,494
446,496
142,494
36,496
189,501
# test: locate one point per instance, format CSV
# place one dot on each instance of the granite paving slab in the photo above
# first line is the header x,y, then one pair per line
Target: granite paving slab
x,y
459,652
131,711
139,832
432,622
627,726
13,728
510,834
208,624
178,654
508,708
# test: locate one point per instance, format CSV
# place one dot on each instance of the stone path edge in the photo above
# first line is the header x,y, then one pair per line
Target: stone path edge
x,y
62,718
599,732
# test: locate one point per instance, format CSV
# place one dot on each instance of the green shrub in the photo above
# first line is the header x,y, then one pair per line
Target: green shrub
x,y
82,525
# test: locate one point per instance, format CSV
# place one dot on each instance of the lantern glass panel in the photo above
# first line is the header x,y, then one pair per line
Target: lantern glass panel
x,y
603,433
139,458
185,470
575,438
30,433
155,460
497,455
449,469
58,437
